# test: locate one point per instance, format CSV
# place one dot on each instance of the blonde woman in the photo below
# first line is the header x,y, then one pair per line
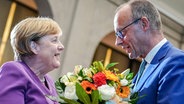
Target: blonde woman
x,y
37,48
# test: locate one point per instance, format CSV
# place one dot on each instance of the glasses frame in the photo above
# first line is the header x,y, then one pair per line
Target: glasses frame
x,y
119,33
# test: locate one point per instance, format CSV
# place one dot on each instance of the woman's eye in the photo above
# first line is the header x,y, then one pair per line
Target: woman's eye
x,y
55,40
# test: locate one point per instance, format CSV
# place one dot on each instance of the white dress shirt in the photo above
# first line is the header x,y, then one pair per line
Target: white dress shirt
x,y
149,57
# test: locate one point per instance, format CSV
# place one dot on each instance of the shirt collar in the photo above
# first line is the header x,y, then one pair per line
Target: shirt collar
x,y
153,51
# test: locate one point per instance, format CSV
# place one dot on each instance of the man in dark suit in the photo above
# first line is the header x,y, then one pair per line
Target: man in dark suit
x,y
138,30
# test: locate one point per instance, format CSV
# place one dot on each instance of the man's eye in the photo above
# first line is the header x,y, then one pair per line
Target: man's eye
x,y
124,32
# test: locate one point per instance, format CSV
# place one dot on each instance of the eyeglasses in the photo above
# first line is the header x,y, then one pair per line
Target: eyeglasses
x,y
119,33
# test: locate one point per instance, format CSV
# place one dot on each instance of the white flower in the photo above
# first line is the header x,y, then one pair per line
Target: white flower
x,y
107,92
87,72
124,82
70,92
77,69
79,78
64,79
70,78
126,72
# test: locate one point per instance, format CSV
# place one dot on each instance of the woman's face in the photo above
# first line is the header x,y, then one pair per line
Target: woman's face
x,y
49,50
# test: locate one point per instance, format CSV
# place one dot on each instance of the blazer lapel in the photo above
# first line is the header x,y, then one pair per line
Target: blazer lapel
x,y
145,76
153,65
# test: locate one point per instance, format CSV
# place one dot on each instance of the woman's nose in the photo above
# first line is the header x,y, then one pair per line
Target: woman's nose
x,y
61,46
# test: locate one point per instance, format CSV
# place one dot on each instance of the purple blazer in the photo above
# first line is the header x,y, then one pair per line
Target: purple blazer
x,y
20,85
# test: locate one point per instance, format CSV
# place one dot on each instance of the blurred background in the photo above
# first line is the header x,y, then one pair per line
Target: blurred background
x,y
87,27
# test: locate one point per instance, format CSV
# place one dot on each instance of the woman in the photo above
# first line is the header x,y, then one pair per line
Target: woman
x,y
37,49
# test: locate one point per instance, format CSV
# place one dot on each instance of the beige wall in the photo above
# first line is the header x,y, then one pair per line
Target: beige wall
x,y
84,24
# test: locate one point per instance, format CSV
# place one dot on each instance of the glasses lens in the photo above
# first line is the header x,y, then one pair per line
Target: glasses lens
x,y
119,34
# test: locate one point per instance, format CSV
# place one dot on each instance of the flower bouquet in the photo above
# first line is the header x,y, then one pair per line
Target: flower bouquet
x,y
95,85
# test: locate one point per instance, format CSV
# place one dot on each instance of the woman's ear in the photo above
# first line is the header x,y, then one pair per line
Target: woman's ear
x,y
34,47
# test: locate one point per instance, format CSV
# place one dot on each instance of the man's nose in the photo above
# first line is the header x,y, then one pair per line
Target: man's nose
x,y
118,41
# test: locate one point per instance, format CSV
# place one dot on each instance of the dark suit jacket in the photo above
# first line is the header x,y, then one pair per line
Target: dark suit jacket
x,y
163,80
19,85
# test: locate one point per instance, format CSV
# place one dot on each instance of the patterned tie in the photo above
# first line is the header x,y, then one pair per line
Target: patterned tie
x,y
140,72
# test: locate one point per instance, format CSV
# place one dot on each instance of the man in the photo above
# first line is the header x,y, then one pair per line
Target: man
x,y
138,30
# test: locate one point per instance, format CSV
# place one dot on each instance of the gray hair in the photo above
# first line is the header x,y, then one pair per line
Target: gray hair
x,y
145,8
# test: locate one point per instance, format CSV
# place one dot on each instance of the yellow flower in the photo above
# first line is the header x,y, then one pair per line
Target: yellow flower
x,y
110,76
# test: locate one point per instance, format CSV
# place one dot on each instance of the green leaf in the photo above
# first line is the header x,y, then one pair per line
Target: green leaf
x,y
111,65
88,78
60,87
135,97
81,73
98,65
82,95
95,95
69,100
129,76
63,98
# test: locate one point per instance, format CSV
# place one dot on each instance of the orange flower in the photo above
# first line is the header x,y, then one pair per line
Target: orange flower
x,y
110,76
88,87
123,91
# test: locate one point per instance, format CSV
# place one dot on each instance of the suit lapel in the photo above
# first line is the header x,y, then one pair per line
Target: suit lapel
x,y
146,75
153,65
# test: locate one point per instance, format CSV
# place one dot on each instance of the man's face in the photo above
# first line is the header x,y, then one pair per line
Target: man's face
x,y
132,40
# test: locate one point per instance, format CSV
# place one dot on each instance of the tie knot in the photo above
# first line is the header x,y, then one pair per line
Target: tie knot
x,y
144,62
142,67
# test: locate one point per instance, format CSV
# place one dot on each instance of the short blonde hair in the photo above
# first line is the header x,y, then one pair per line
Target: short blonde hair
x,y
31,29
